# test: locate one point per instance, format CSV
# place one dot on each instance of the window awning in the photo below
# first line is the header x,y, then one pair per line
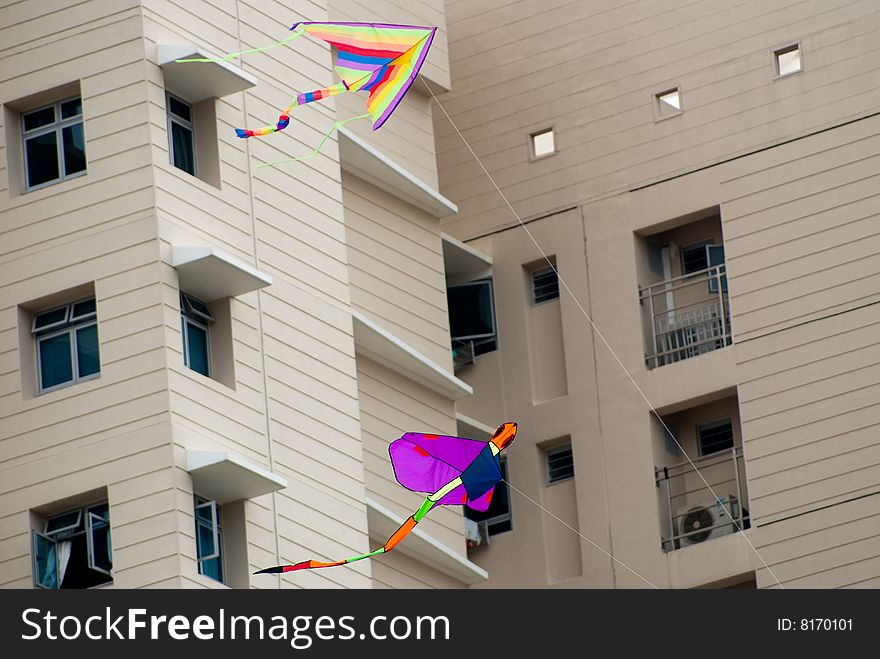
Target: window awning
x,y
367,162
210,274
421,546
462,262
196,81
375,342
224,476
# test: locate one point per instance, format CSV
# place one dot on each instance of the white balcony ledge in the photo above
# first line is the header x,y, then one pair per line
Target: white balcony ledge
x,y
210,274
421,546
462,262
227,477
473,429
196,81
376,343
367,162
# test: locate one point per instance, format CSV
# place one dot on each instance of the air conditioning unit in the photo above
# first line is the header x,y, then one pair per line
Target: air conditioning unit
x,y
696,523
476,534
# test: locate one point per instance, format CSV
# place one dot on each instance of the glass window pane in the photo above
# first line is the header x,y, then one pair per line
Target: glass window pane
x,y
205,539
100,551
74,149
197,348
179,108
87,350
45,563
83,309
39,118
71,108
42,159
182,148
56,366
196,307
64,522
470,310
53,318
212,568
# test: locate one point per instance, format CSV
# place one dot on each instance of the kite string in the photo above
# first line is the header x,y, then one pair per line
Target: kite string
x,y
314,152
564,523
296,34
718,500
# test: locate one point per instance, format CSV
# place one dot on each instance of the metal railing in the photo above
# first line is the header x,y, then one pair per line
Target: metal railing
x,y
688,315
692,515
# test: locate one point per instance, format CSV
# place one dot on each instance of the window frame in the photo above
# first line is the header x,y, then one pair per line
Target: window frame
x,y
191,316
171,118
84,522
217,534
70,327
700,427
664,110
533,154
57,126
548,453
478,282
535,272
782,50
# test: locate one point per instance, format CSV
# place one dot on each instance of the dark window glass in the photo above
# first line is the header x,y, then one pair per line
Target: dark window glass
x,y
182,148
50,318
545,285
560,464
74,149
39,118
71,108
87,350
83,309
55,363
693,258
180,109
715,437
197,348
470,310
42,159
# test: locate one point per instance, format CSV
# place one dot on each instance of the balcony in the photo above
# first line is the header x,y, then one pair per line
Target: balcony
x,y
686,316
693,515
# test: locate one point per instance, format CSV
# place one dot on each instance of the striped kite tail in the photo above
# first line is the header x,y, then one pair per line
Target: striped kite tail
x,y
404,530
284,119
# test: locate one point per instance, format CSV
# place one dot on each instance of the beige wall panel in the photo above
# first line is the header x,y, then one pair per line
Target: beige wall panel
x,y
392,405
396,266
401,571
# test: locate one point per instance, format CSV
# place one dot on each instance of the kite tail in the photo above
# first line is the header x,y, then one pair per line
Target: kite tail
x,y
404,530
301,99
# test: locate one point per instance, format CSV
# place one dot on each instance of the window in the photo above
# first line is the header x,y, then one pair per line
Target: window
x,y
209,538
472,315
181,141
195,316
716,436
74,549
67,344
543,143
694,257
53,143
667,103
788,60
715,257
497,517
545,285
560,464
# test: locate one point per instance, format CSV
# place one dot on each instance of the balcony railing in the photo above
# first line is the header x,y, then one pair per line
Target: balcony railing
x,y
692,514
687,315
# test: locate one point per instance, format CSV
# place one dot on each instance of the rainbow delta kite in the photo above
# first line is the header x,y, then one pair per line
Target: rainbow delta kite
x,y
454,470
379,58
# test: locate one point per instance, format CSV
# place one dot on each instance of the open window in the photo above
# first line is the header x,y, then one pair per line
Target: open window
x,y
472,316
195,321
74,549
209,539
